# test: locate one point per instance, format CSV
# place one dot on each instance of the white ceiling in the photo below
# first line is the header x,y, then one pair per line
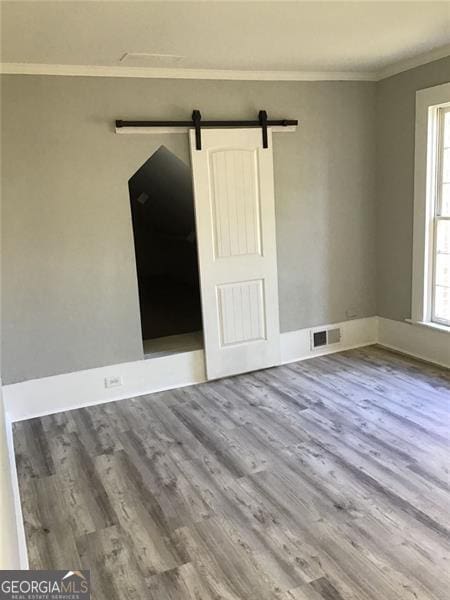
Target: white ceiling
x,y
354,37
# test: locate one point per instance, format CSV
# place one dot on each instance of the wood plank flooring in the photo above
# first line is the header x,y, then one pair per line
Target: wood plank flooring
x,y
321,480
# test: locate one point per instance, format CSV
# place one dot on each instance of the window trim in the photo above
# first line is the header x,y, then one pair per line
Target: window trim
x,y
428,101
437,195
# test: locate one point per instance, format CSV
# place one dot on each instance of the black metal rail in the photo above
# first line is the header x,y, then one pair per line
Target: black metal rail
x,y
198,124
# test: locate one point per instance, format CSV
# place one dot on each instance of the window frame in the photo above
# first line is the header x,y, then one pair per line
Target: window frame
x,y
436,199
428,171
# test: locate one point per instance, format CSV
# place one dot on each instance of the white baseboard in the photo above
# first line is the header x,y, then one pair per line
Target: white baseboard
x,y
13,547
426,343
58,393
20,542
39,397
296,345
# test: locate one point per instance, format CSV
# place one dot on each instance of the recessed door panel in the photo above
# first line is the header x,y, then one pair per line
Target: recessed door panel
x,y
242,315
235,197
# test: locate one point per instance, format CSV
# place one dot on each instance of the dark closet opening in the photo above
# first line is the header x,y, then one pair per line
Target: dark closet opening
x,y
162,209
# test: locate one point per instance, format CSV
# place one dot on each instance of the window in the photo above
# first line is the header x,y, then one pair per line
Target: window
x,y
431,251
440,292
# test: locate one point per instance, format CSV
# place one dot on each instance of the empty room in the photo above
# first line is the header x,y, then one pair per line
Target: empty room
x,y
225,300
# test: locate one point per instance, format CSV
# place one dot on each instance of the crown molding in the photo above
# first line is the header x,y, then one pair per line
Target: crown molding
x,y
174,73
411,63
221,74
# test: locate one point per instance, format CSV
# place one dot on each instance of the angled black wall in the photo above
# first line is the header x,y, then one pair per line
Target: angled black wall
x,y
162,208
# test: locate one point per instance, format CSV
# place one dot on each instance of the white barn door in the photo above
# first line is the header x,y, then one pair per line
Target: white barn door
x,y
235,216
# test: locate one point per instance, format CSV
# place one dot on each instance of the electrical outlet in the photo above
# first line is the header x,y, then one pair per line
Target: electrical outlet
x,y
113,381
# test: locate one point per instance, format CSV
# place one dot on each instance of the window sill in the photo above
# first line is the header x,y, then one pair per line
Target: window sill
x,y
436,326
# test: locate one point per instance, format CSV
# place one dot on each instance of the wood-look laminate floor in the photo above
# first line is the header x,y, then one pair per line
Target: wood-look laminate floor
x,y
320,480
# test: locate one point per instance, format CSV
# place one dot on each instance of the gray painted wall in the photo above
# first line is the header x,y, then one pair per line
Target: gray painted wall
x,y
70,294
396,105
